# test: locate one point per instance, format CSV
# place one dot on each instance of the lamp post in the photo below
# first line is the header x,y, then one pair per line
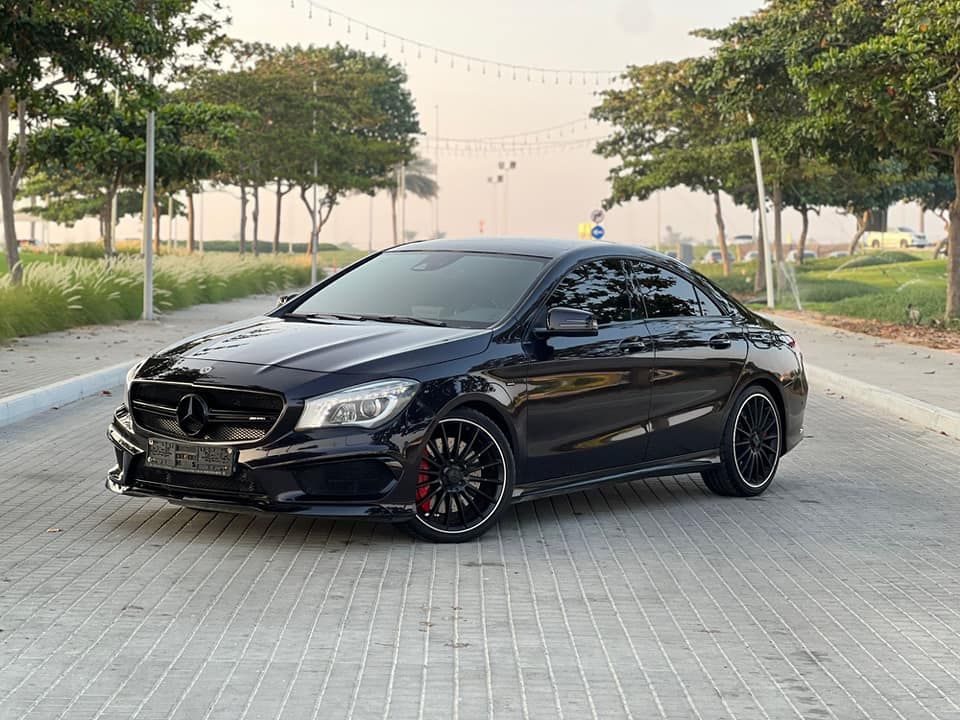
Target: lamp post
x,y
507,167
494,181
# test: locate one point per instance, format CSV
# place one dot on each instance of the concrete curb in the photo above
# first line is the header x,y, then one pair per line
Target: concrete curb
x,y
14,408
910,409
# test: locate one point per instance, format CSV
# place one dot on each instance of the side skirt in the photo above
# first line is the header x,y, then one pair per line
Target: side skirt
x,y
675,466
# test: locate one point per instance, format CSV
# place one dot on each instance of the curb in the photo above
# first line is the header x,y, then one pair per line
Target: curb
x,y
907,408
14,408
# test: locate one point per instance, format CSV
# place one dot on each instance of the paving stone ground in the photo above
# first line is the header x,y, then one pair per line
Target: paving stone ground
x,y
835,595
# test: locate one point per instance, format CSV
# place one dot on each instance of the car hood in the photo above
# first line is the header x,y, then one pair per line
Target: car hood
x,y
363,348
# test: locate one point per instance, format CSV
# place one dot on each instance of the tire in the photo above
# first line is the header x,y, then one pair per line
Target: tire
x,y
750,447
465,479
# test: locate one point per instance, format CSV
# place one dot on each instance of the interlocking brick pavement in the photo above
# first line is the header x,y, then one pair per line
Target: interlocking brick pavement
x,y
834,595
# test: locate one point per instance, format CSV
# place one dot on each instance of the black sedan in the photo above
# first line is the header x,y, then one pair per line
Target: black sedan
x,y
437,382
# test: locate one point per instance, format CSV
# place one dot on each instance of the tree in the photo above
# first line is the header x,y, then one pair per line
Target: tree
x,y
667,132
97,150
884,75
418,180
50,47
354,123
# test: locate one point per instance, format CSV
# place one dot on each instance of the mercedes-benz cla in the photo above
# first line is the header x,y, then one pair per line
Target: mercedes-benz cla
x,y
438,382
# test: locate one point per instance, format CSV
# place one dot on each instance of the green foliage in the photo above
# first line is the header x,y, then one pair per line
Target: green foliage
x,y
888,257
75,291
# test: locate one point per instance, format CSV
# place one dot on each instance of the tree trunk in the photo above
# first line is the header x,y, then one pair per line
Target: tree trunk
x,y
393,213
953,245
313,220
8,192
256,220
777,221
760,278
721,232
191,220
243,219
861,229
805,217
156,227
276,223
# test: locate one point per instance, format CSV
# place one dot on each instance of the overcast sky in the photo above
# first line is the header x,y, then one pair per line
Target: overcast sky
x,y
548,194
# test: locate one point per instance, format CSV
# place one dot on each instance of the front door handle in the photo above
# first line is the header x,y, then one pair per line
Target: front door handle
x,y
633,345
720,342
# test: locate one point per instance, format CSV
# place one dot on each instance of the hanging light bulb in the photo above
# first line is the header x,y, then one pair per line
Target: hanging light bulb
x,y
436,57
401,47
329,19
348,27
310,12
419,52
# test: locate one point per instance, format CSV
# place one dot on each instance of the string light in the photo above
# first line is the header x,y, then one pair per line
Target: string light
x,y
467,60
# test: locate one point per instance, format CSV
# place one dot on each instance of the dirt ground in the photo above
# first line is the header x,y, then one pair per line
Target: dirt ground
x,y
923,335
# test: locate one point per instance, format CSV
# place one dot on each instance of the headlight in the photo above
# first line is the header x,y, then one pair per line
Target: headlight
x,y
361,406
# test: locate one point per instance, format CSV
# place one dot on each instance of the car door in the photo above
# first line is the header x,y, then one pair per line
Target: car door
x,y
699,355
588,397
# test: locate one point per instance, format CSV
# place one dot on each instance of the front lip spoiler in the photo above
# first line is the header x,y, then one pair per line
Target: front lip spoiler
x,y
383,512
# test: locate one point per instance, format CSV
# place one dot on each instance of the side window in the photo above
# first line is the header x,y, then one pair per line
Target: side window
x,y
709,307
599,287
665,294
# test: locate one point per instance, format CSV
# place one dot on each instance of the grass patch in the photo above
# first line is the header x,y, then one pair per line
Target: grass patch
x,y
73,291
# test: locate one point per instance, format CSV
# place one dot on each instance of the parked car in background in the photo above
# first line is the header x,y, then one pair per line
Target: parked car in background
x,y
793,255
751,256
715,257
901,237
838,253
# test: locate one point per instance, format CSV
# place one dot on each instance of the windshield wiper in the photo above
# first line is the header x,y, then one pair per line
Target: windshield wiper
x,y
406,319
323,316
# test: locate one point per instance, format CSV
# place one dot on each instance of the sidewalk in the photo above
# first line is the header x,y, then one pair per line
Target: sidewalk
x,y
932,376
40,360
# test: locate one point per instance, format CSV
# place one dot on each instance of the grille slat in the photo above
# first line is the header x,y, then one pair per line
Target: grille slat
x,y
235,416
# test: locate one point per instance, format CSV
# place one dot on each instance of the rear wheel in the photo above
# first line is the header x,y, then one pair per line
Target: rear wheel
x,y
465,478
750,448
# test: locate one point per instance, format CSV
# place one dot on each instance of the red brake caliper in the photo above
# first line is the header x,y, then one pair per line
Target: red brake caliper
x,y
423,487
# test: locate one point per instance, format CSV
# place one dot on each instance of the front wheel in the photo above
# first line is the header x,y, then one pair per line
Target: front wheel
x,y
465,479
750,448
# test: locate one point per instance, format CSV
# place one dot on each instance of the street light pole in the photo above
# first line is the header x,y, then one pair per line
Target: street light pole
x,y
762,204
314,219
148,218
494,182
436,175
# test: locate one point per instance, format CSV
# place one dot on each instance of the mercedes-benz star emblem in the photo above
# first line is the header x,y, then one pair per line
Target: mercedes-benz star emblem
x,y
192,414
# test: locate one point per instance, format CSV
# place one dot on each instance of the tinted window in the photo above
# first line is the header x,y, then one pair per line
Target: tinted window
x,y
665,294
461,289
599,287
708,306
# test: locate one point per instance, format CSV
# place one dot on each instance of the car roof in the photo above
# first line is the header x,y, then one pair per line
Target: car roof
x,y
550,248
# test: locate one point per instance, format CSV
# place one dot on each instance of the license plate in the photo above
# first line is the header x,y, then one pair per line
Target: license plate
x,y
185,457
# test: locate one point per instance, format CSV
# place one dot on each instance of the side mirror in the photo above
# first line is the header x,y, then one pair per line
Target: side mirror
x,y
568,322
284,299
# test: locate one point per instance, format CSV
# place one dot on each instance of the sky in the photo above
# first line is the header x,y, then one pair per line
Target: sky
x,y
547,194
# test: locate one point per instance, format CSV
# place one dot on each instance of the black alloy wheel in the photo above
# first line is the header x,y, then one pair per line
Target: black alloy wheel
x,y
751,446
464,478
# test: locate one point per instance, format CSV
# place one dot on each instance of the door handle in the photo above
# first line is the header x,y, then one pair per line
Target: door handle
x,y
633,345
720,342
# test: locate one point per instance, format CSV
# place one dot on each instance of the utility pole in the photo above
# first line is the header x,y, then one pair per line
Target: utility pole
x,y
762,205
173,242
436,173
148,198
201,219
370,227
316,171
114,204
659,226
403,203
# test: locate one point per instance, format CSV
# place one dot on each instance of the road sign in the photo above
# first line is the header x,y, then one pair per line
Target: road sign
x,y
583,231
597,232
597,216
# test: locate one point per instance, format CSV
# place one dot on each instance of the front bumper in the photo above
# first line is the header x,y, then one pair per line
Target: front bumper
x,y
351,474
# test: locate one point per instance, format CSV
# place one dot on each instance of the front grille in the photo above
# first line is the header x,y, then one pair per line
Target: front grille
x,y
238,485
235,416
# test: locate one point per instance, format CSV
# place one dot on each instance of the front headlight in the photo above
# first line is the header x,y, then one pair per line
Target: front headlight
x,y
361,406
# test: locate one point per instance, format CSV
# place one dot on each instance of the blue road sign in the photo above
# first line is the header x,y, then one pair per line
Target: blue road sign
x,y
597,232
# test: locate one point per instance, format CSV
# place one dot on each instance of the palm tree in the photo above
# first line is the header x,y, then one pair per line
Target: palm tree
x,y
418,179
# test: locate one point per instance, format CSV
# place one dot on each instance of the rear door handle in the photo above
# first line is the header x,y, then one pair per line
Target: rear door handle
x,y
633,345
720,342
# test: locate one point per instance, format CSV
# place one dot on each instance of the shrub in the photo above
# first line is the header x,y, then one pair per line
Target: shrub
x,y
74,291
887,257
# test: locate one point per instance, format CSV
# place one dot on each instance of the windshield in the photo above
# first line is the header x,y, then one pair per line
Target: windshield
x,y
459,289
